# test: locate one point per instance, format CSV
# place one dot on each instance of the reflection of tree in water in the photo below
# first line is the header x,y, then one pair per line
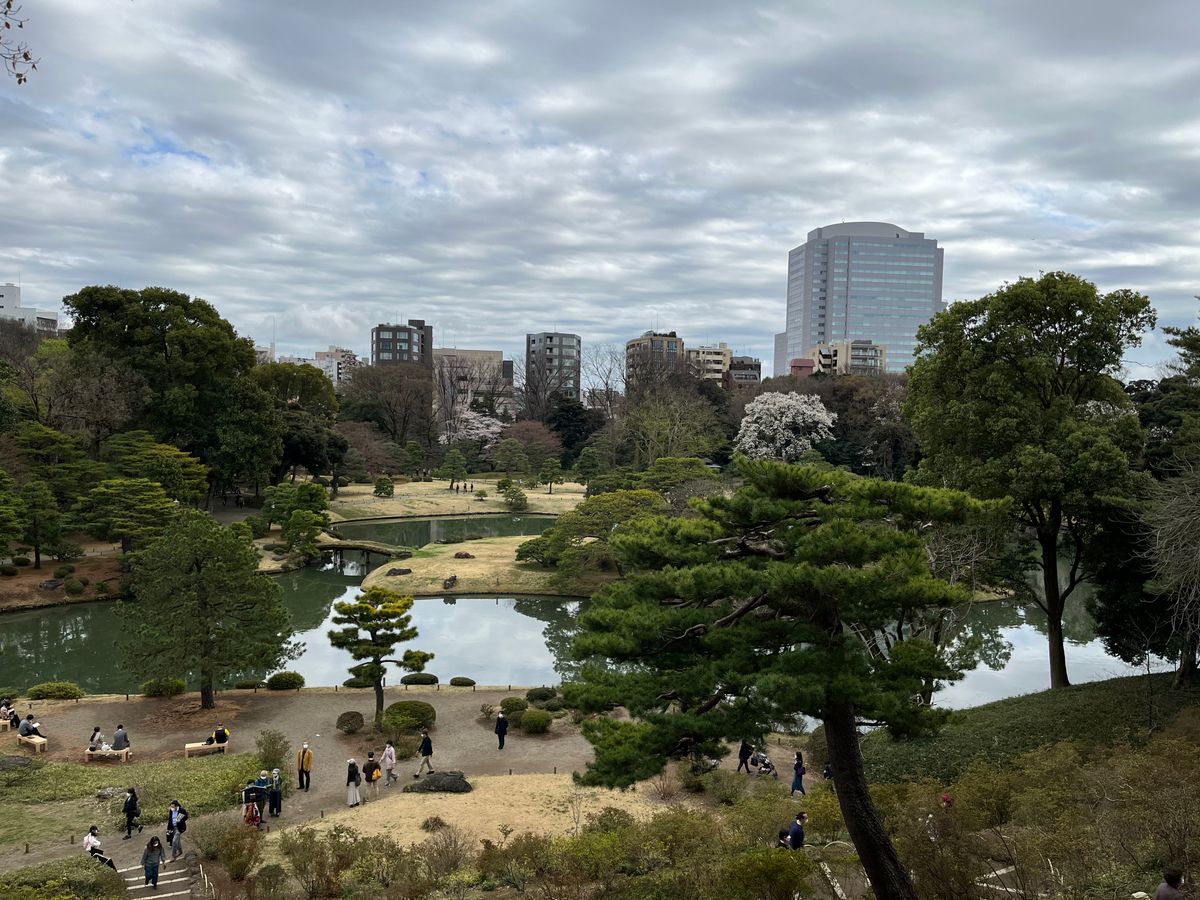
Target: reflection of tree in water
x,y
561,618
310,593
1078,625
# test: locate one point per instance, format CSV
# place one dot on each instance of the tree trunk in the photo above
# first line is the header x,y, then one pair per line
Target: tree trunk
x,y
1054,611
889,878
208,698
379,704
1187,675
37,554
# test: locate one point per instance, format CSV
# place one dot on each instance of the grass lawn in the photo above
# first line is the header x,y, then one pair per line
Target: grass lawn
x,y
431,498
1098,714
494,570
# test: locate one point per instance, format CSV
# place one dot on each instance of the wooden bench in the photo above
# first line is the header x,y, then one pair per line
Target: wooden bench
x,y
37,743
122,755
5,724
204,747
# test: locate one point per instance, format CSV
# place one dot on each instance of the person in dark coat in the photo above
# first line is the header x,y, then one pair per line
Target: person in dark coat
x,y
796,832
132,811
426,753
30,728
744,753
501,728
353,780
1169,889
177,818
798,772
275,794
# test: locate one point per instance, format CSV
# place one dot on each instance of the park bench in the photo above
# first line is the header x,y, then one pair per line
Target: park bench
x,y
37,743
5,724
203,747
122,755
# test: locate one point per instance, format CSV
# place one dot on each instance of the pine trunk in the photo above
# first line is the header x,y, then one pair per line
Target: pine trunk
x,y
208,697
379,704
1187,675
889,878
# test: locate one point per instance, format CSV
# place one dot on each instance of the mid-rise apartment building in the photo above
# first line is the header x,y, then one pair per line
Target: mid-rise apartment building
x,y
849,358
395,344
861,281
708,362
44,323
337,363
553,365
654,354
743,371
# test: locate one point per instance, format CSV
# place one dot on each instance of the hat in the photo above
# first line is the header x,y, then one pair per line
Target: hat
x,y
305,745
350,760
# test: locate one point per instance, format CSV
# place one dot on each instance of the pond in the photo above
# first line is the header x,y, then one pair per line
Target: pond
x,y
448,529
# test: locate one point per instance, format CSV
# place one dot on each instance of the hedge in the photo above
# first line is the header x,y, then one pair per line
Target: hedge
x,y
536,721
350,722
248,684
64,571
540,694
462,681
6,569
73,586
419,678
285,681
163,687
77,876
55,690
20,560
510,705
420,712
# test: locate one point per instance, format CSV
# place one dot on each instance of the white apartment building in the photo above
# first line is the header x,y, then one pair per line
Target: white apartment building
x,y
45,323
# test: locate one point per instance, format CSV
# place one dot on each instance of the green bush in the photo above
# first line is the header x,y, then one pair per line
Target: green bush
x,y
73,586
350,722
259,527
248,684
422,714
275,547
510,705
274,751
536,721
84,580
384,487
285,681
515,499
8,570
102,587
163,687
321,480
419,678
555,705
55,690
343,481
358,681
64,549
724,786
77,876
20,560
539,695
270,883
10,692
462,681
64,570
514,718
363,479
481,494
609,819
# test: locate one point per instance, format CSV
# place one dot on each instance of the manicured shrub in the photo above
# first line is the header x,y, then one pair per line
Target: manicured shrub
x,y
553,706
539,695
421,713
384,487
20,560
9,692
248,684
536,721
102,588
84,580
357,681
504,484
285,681
515,717
419,678
55,690
275,547
63,571
462,681
350,722
73,586
163,687
321,480
363,479
515,499
343,481
258,526
510,705
8,570
76,876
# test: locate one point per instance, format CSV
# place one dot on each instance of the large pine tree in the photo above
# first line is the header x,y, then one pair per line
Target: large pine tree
x,y
768,606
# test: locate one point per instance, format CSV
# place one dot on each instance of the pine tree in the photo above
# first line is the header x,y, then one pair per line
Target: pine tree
x,y
43,521
454,467
587,466
765,608
551,473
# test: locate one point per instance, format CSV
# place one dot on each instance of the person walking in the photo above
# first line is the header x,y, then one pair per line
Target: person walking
x,y
120,738
275,794
501,728
425,751
744,753
372,773
132,812
388,761
91,846
353,780
153,857
796,832
304,763
177,818
798,771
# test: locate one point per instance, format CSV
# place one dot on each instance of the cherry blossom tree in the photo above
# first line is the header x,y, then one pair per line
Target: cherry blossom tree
x,y
782,426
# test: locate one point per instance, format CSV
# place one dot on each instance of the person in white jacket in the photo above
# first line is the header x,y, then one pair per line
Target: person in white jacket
x,y
91,846
388,761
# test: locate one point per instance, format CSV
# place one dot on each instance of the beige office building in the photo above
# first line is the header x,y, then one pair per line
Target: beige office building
x,y
858,357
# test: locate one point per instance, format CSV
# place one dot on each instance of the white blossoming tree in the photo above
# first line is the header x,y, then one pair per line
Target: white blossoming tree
x,y
782,426
473,426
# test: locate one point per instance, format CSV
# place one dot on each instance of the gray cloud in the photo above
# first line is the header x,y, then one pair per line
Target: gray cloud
x,y
595,166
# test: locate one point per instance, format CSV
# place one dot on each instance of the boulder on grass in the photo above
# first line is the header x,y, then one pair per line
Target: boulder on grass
x,y
402,554
441,783
463,554
394,572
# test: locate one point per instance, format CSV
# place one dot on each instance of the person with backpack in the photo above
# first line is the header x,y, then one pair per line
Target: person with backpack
x,y
353,780
153,857
798,771
389,764
132,813
372,773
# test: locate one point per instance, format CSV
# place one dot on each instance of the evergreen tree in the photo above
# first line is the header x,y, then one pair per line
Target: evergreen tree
x,y
133,511
454,467
373,623
509,457
551,473
201,605
765,608
43,521
588,465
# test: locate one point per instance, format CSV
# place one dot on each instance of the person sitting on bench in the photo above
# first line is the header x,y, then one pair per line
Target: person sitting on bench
x,y
9,712
30,728
220,737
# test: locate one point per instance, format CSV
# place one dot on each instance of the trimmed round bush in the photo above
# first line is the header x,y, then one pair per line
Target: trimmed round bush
x,y
101,587
20,560
9,692
551,706
248,684
84,580
64,571
357,681
536,721
55,690
462,681
422,714
514,718
350,722
285,681
73,586
540,694
419,678
163,687
8,570
343,481
510,705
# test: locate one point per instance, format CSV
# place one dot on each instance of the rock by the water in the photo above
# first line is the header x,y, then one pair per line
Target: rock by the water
x,y
463,554
440,782
403,554
399,571
279,557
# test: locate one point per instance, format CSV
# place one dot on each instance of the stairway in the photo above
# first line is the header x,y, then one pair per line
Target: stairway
x,y
173,881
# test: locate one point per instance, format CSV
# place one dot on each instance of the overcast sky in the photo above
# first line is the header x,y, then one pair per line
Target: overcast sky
x,y
597,167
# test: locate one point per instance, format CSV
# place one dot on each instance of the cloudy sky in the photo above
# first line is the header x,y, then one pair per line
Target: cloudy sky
x,y
598,167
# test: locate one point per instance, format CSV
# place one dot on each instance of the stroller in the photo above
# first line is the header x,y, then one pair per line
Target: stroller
x,y
762,762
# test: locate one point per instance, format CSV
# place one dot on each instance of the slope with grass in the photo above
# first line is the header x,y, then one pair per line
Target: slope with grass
x,y
1098,715
432,498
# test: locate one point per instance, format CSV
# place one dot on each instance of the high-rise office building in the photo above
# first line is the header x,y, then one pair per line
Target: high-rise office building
x,y
862,281
553,365
411,343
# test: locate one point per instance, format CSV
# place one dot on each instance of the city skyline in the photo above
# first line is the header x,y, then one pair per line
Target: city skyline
x,y
578,170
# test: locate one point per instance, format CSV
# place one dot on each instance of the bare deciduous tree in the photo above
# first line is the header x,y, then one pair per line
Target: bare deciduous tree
x,y
19,60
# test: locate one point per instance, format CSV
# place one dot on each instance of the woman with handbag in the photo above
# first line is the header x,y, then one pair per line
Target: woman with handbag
x,y
132,812
353,780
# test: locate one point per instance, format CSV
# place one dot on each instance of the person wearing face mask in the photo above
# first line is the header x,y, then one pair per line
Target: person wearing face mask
x,y
304,762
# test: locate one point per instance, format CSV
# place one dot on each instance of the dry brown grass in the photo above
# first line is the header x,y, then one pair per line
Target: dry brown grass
x,y
431,498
